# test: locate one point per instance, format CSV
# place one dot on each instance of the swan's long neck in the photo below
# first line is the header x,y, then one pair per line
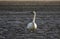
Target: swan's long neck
x,y
34,16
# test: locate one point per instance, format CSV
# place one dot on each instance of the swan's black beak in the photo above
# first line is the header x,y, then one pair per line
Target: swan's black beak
x,y
32,13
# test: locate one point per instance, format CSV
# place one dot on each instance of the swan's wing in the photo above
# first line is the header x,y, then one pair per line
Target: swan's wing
x,y
29,25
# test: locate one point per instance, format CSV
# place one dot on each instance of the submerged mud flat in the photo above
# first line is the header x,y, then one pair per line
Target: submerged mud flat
x,y
14,19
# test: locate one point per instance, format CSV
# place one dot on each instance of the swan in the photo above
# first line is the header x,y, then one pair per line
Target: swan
x,y
32,26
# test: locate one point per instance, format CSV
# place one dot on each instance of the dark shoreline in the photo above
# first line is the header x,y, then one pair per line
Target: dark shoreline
x,y
30,7
29,2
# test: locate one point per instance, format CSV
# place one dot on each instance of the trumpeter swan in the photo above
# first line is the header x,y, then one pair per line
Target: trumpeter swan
x,y
32,26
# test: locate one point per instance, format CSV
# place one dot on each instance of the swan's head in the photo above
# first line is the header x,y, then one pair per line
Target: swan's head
x,y
33,12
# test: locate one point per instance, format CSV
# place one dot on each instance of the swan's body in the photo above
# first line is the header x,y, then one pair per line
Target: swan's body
x,y
32,26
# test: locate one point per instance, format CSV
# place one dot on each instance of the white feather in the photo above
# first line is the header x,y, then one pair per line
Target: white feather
x,y
30,25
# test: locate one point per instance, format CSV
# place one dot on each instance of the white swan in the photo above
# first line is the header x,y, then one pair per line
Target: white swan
x,y
32,26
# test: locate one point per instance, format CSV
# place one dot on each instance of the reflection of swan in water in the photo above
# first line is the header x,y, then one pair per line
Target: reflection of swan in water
x,y
32,26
